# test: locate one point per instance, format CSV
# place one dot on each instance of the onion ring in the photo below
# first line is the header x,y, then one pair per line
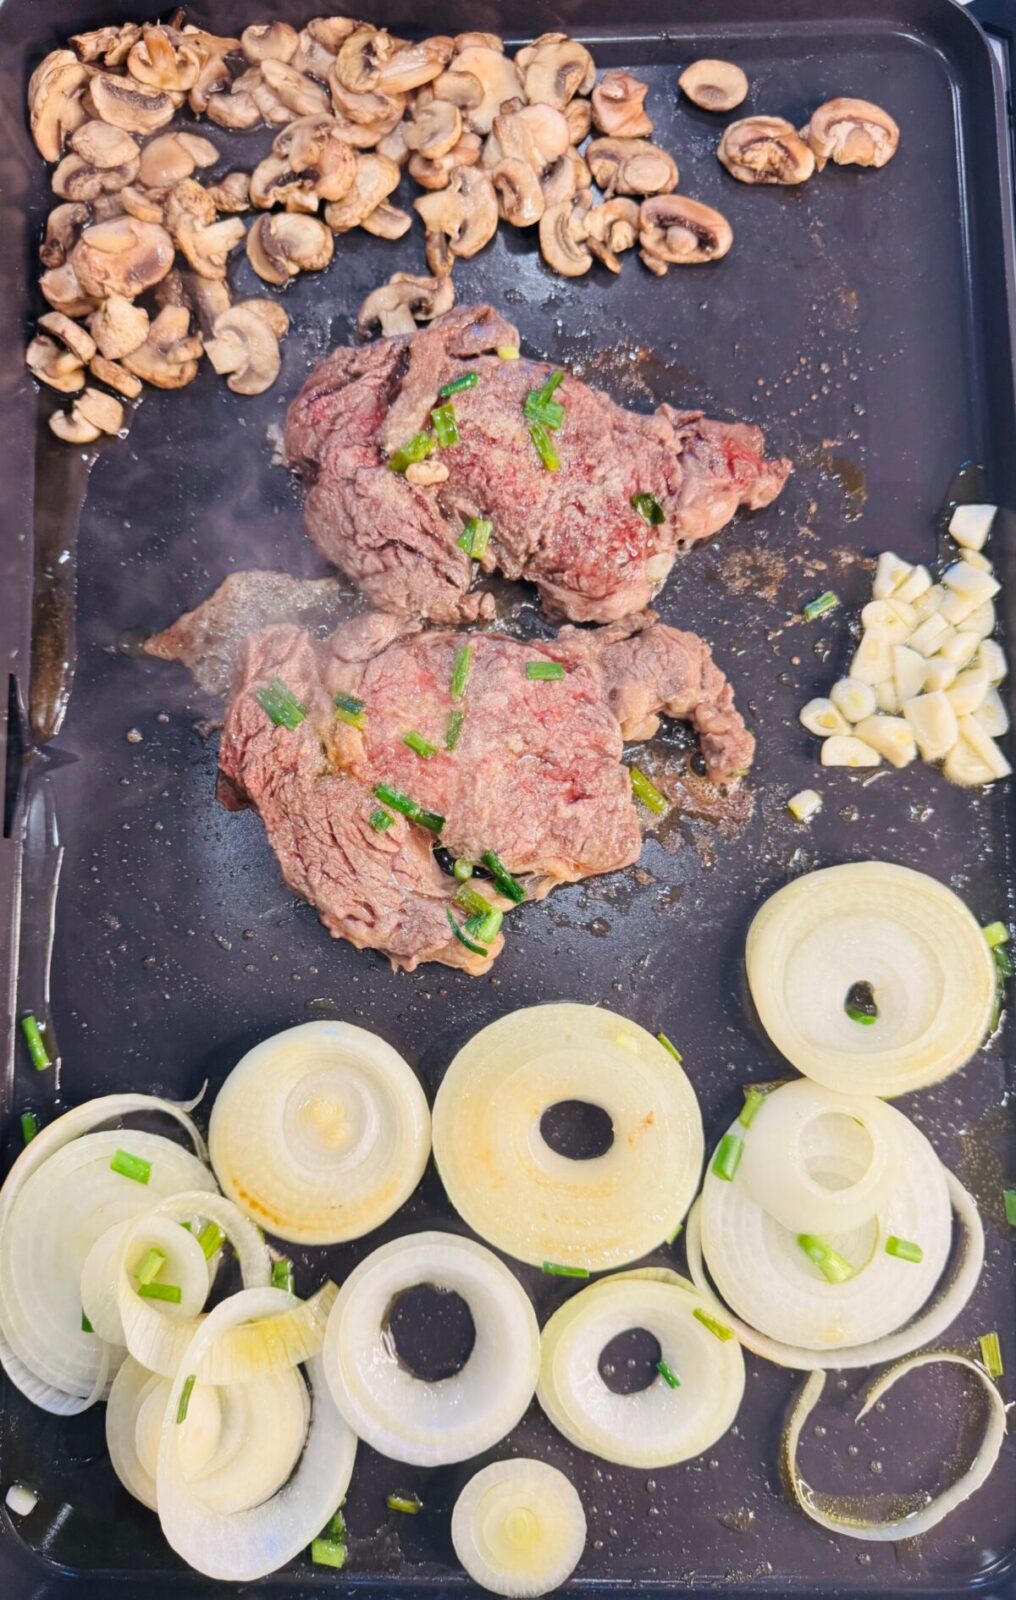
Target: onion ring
x,y
518,1528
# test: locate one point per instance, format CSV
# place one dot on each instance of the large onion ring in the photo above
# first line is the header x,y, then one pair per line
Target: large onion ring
x,y
518,1528
906,935
430,1424
320,1133
519,1194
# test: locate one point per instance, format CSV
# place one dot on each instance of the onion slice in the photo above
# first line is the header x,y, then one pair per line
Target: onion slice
x,y
523,1197
518,1528
320,1133
406,1418
905,934
925,1517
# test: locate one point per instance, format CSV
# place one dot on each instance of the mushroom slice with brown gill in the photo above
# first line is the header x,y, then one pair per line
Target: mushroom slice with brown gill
x,y
434,129
631,166
535,134
612,228
714,85
398,305
92,415
765,150
413,65
387,221
169,357
63,229
520,198
437,174
374,180
302,96
851,133
75,179
565,178
245,346
269,41
110,45
459,220
172,157
55,107
123,257
315,148
58,356
676,231
618,108
118,327
461,89
165,59
213,73
554,69
563,235
231,193
498,77
282,244
130,105
273,110
366,117
312,56
191,219
236,110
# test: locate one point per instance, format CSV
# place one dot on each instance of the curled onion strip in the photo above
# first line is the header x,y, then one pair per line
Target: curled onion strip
x,y
926,1517
518,1528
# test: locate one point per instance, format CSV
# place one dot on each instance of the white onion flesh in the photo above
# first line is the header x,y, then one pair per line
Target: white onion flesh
x,y
244,1545
659,1425
925,1517
905,934
526,1199
320,1133
518,1528
406,1418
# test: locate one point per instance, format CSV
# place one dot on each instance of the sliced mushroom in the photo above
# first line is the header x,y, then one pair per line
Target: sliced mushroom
x,y
314,148
246,347
387,221
437,174
103,147
415,64
618,108
169,357
476,40
360,56
460,219
115,377
172,157
519,195
461,89
579,116
118,327
851,133
274,183
123,257
330,31
398,305
74,179
191,219
366,117
63,228
208,298
55,101
62,287
765,150
714,85
374,180
536,134
165,59
631,166
137,203
110,45
565,178
555,68
73,428
130,105
563,235
301,95
53,360
612,228
213,73
269,41
237,110
107,206
273,109
682,232
282,244
101,410
231,193
498,77
434,130
312,56
393,145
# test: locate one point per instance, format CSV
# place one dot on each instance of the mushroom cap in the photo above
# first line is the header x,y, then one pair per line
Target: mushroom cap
x,y
375,178
301,95
359,58
435,129
612,228
498,77
70,333
565,178
554,69
169,357
365,118
246,346
682,232
714,85
103,146
617,106
118,327
171,157
765,150
282,244
312,56
403,301
123,257
415,64
851,133
520,197
73,428
330,31
631,166
54,101
387,221
465,212
269,41
314,146
563,234
130,105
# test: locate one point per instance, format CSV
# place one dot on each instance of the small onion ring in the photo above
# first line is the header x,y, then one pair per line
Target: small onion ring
x,y
534,1204
431,1424
518,1528
928,1516
904,933
320,1133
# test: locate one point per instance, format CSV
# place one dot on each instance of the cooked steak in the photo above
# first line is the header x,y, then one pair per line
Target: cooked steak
x,y
574,532
535,774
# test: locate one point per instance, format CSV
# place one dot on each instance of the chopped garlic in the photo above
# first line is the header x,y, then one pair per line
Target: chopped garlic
x,y
960,649
892,737
962,766
930,635
886,697
908,672
804,805
991,657
984,747
853,699
934,723
892,617
915,583
992,715
822,718
956,607
965,579
21,1501
843,750
889,574
970,525
928,602
873,658
939,674
982,621
977,560
968,692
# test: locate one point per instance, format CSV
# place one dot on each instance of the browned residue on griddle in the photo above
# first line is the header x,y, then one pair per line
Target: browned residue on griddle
x,y
754,570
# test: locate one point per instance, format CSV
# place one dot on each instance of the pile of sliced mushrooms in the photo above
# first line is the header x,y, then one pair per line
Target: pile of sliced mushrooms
x,y
136,253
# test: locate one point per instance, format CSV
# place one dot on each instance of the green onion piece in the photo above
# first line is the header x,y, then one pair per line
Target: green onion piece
x,y
282,1275
454,729
820,605
381,820
672,1236
348,708
130,1166
728,1157
336,1527
149,1267
33,1039
328,1552
430,820
419,745
461,667
667,1045
1003,960
486,927
833,1267
1009,1196
548,412
29,1127
557,1271
753,1099
280,704
418,448
865,1018
718,1329
903,1249
645,790
86,1326
550,386
170,1292
472,901
996,933
468,380
544,448
462,871
211,1238
991,1354
475,537
408,1504
544,671
408,808
649,507
185,1394
446,424
463,937
509,886
668,1375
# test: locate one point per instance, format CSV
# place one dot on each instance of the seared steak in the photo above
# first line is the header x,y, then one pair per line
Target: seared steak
x,y
574,532
535,775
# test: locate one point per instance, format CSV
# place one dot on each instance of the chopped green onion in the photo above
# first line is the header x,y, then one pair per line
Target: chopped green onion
x,y
552,383
645,790
1003,960
463,937
453,730
672,1236
408,808
462,871
86,1326
475,537
381,820
461,667
509,886
282,1275
548,412
865,1018
820,605
833,1267
903,1249
485,926
446,424
718,1329
408,1504
418,448
348,708
211,1238
991,1354
129,1166
336,1526
674,1051
649,507
419,745
29,1127
150,1265
328,1552
544,671
1009,1197
185,1394
728,1157
996,933
753,1099
170,1292
557,1271
33,1039
472,901
280,704
544,448
668,1375
468,380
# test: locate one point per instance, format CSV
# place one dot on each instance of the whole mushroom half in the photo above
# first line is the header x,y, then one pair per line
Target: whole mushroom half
x,y
765,150
281,245
554,69
398,305
851,133
714,85
676,231
618,109
121,257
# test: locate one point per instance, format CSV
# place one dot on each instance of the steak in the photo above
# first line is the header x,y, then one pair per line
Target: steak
x,y
574,532
535,775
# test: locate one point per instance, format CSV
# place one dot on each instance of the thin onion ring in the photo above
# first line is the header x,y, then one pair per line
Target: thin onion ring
x,y
518,1528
